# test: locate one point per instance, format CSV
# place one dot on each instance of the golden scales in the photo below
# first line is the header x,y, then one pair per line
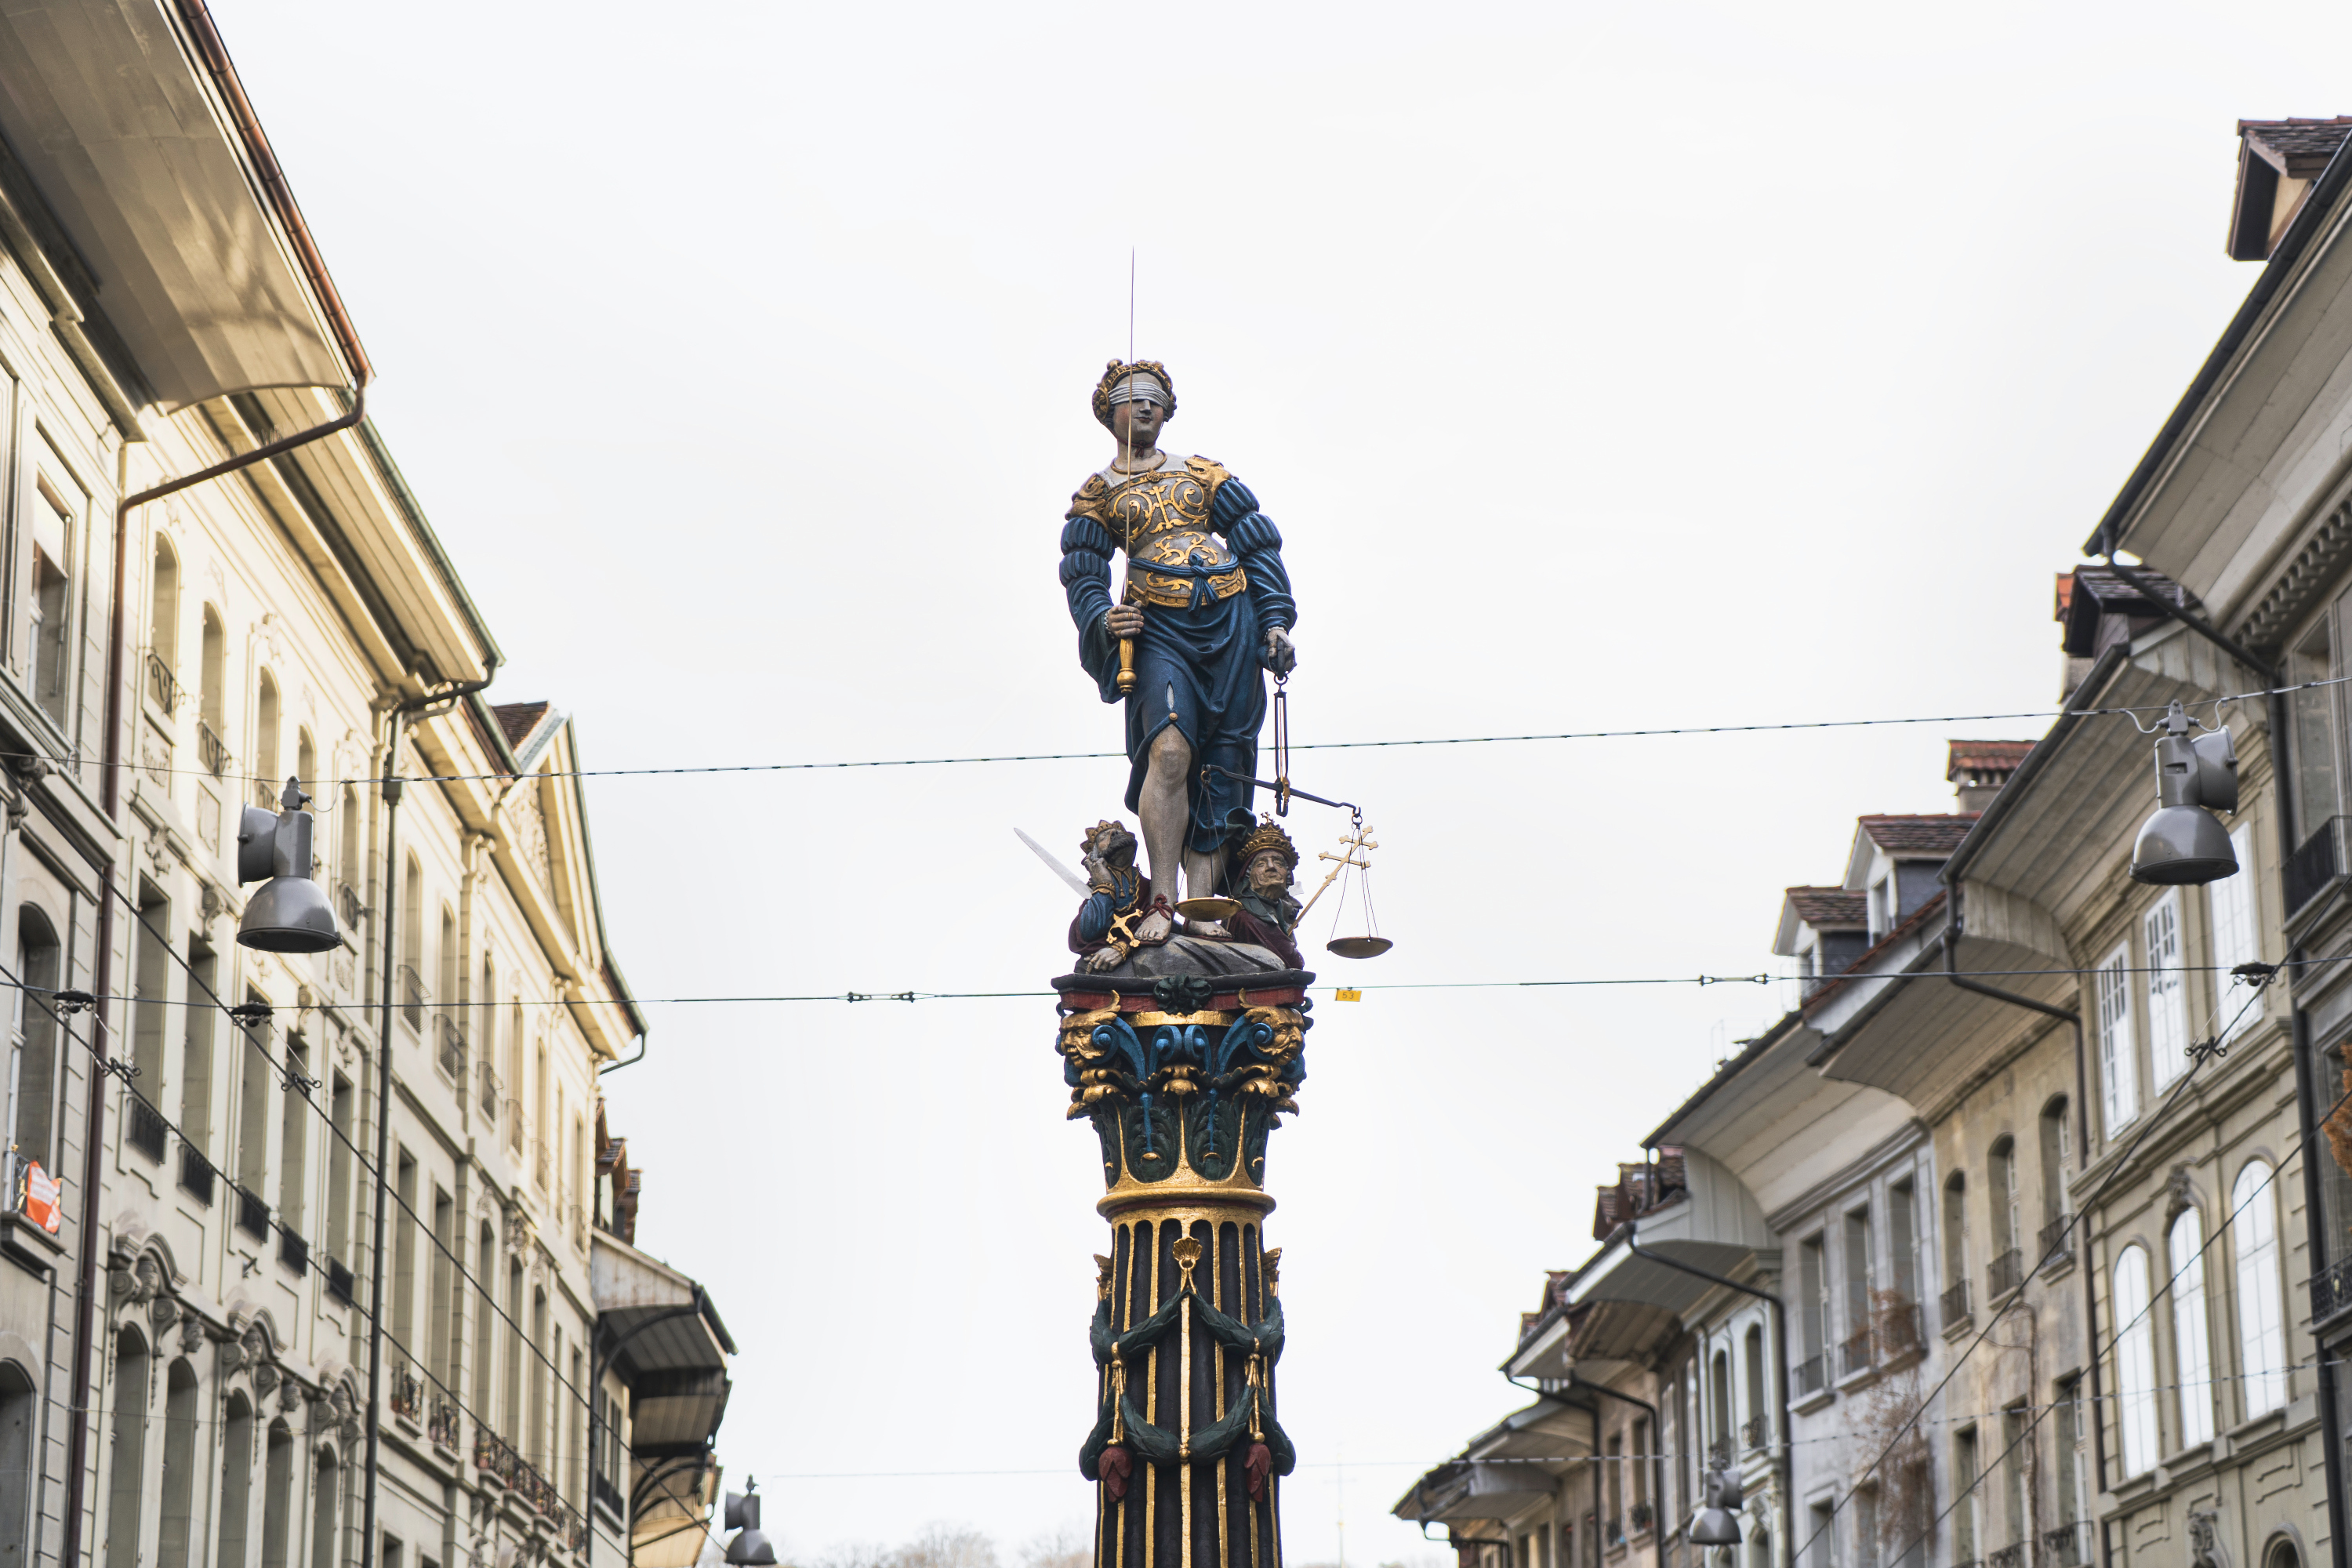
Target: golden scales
x,y
1355,846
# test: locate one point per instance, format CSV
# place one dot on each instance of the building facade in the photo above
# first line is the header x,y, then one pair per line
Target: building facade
x,y
186,1331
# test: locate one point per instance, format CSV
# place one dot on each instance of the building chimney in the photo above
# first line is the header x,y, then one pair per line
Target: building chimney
x,y
1977,769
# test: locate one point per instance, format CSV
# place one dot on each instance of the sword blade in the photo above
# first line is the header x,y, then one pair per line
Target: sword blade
x,y
1078,883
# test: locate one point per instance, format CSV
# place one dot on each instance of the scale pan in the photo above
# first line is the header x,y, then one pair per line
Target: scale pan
x,y
1208,909
1359,946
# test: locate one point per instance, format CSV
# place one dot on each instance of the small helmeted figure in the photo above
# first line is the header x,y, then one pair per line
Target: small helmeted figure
x,y
1204,610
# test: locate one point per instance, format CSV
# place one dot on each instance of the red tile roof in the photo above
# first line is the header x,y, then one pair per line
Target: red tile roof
x,y
1919,834
1984,756
1826,907
2301,148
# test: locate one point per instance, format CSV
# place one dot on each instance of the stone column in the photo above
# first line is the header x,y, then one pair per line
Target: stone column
x,y
1183,1083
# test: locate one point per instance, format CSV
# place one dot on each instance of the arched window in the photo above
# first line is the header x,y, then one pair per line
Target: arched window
x,y
277,1496
20,1402
1956,1244
347,863
2262,1321
236,1482
1754,1359
448,1026
267,777
514,1078
486,1260
2192,1346
328,1495
127,1486
485,1049
411,945
2057,1157
541,1127
164,627
537,1450
32,1083
2134,1363
2282,1552
1719,1390
181,1418
306,760
2001,1174
212,701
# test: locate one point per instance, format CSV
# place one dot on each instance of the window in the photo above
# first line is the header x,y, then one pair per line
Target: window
x,y
20,1402
2135,1345
31,1089
306,760
1865,1527
442,1343
277,1497
2193,1349
2314,741
1965,1502
486,1261
1858,1281
340,1099
411,945
265,775
176,1526
2167,991
2119,1075
449,983
347,870
254,1083
1753,1359
2000,1170
401,1223
514,1411
2230,908
1825,1553
128,1450
535,1438
196,1054
151,981
1902,1238
328,1483
2057,1158
2262,1325
2074,1477
1955,1247
293,1134
162,684
49,615
2014,1454
1812,1305
236,1481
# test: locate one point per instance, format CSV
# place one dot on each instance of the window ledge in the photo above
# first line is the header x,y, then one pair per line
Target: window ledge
x,y
23,1236
1819,1399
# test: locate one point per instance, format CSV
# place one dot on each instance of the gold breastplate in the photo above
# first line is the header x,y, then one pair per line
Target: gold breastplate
x,y
1162,521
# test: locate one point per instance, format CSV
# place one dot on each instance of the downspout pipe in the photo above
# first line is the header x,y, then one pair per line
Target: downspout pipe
x,y
1780,1365
110,787
392,784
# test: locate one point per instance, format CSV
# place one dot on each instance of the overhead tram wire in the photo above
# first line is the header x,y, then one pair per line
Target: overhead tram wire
x,y
2214,1047
2043,714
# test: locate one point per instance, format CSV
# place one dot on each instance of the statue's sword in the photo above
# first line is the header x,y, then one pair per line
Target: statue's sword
x,y
1078,883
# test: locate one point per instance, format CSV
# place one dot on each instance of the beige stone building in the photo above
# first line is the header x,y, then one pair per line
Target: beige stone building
x,y
185,1347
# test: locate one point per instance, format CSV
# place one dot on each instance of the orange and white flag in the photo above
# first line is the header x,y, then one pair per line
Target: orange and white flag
x,y
44,1197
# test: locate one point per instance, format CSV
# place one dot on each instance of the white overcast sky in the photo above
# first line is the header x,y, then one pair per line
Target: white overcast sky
x,y
1602,366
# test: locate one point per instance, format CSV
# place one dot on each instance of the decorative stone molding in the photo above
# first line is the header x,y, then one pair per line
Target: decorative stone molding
x,y
2205,1548
2179,1192
2300,582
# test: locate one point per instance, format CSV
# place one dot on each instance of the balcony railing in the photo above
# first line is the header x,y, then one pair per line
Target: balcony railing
x,y
293,1251
1854,1355
1955,1305
147,1130
1756,1434
2331,1292
339,1282
252,1215
494,1457
452,1048
2004,1274
441,1422
163,686
265,793
487,1078
195,1174
1900,1331
2007,1557
2068,1546
1809,1373
2057,1243
407,1392
211,750
412,996
2317,865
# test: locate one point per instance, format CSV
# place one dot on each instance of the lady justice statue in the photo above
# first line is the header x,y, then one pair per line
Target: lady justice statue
x,y
1197,621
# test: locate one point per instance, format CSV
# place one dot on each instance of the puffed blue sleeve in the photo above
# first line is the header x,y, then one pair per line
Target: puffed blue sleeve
x,y
1259,543
1087,547
1094,917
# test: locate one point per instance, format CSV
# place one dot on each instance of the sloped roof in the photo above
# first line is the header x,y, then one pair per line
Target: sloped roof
x,y
518,718
2089,592
1984,756
1938,835
2299,149
1828,909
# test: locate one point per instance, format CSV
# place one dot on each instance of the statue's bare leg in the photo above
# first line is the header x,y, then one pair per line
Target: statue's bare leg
x,y
1165,814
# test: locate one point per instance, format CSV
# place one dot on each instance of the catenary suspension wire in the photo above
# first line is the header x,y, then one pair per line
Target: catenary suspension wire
x,y
2043,714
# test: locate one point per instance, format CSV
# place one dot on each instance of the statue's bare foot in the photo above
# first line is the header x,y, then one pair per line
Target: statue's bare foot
x,y
1213,931
1156,927
1104,958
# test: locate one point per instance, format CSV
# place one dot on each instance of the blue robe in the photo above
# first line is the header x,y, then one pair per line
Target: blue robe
x,y
1200,666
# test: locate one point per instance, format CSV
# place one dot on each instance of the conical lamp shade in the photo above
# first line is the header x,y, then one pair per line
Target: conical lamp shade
x,y
749,1549
1714,1526
2183,844
290,914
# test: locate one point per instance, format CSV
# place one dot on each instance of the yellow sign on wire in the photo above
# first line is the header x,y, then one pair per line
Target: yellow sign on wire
x,y
1348,994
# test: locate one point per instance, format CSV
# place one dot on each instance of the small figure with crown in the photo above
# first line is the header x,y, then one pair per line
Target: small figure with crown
x,y
1203,610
